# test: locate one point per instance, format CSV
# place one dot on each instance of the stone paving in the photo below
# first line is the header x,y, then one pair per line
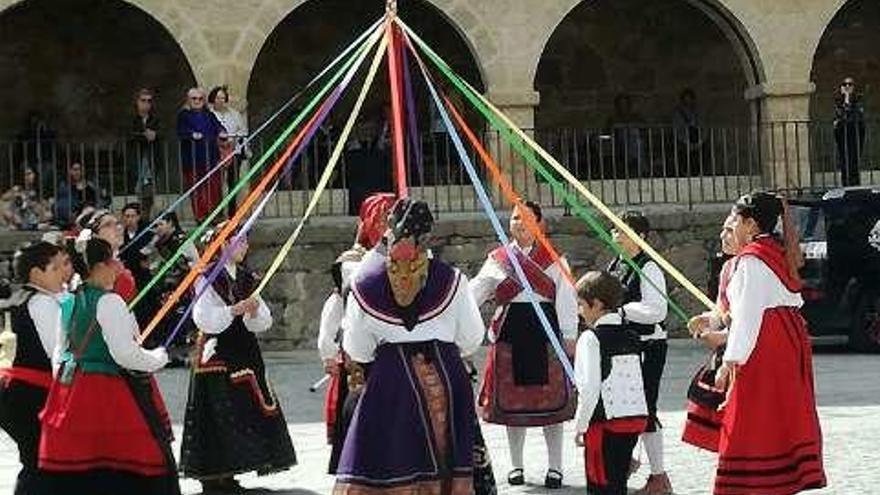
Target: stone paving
x,y
848,394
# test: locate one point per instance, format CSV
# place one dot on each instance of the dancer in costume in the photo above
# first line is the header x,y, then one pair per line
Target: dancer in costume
x,y
105,429
104,225
524,384
234,422
339,403
702,427
645,309
409,320
771,441
36,323
612,410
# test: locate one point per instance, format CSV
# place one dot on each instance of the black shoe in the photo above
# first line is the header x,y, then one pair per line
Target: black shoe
x,y
516,477
553,480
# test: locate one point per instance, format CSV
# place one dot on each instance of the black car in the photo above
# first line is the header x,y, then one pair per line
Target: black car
x,y
840,238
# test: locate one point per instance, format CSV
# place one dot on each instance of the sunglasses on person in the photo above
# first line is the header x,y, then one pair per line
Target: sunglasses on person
x,y
146,100
848,83
196,98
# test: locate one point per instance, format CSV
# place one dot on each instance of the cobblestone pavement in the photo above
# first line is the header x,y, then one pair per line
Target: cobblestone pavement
x,y
849,406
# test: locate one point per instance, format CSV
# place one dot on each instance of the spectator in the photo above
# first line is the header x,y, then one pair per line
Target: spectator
x,y
23,207
199,132
144,140
133,256
623,127
76,193
849,131
236,132
688,135
37,146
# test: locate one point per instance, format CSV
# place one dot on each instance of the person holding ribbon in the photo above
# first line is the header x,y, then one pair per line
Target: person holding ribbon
x,y
24,386
409,321
339,404
524,385
768,364
645,308
233,423
105,428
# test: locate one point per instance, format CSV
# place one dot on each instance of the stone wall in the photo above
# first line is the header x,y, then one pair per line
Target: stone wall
x,y
296,294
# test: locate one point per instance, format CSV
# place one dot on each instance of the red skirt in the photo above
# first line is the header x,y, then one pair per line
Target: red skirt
x,y
771,442
95,423
502,401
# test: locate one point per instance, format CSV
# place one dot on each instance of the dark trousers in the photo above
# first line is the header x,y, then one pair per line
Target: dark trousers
x,y
20,406
617,451
653,362
850,140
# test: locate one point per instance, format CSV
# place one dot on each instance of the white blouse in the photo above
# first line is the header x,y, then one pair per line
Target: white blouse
x,y
459,323
332,314
492,274
212,315
45,311
753,289
120,331
232,121
652,308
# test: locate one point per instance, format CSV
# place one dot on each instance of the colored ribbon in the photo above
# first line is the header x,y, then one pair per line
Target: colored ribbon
x,y
253,171
396,110
243,145
328,171
482,104
230,225
499,230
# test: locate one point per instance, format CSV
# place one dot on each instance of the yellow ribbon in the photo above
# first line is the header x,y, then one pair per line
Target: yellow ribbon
x,y
596,202
328,170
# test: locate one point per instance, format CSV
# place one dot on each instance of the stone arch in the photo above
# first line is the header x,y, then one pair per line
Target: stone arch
x,y
847,48
479,38
726,21
79,84
309,37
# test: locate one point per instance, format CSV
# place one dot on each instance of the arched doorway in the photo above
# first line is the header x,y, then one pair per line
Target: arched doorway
x,y
644,88
69,72
78,63
311,35
847,49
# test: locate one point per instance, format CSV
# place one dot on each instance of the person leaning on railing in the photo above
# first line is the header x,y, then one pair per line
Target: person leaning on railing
x,y
199,132
849,131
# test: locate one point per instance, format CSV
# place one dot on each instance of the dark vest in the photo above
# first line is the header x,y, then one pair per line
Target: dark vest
x,y
29,350
236,345
632,285
614,340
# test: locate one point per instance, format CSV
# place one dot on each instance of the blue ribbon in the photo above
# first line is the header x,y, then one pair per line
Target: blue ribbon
x,y
495,221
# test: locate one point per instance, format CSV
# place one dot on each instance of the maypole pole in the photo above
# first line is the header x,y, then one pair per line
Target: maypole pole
x,y
395,77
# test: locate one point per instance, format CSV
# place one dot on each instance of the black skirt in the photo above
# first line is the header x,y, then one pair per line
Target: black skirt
x,y
233,425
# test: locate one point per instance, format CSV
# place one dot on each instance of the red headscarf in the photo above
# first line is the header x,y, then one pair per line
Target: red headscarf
x,y
374,218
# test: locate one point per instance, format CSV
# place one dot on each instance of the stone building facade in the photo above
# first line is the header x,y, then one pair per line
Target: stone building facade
x,y
749,59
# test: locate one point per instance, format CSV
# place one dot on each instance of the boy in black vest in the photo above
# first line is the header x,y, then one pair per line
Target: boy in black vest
x,y
36,321
644,310
612,411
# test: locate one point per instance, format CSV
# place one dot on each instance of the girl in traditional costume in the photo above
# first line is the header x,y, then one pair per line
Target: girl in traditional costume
x,y
234,422
409,320
523,384
24,386
771,441
105,429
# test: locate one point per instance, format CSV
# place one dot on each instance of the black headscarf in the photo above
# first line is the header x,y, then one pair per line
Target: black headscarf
x,y
763,207
411,218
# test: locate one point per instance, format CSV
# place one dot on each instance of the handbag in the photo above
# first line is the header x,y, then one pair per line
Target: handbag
x,y
702,390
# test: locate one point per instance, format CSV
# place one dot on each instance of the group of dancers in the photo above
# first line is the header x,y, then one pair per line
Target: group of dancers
x,y
397,337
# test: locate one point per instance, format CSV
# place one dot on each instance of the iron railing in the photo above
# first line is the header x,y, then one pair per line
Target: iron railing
x,y
632,165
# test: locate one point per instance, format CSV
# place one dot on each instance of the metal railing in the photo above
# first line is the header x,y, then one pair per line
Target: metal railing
x,y
627,165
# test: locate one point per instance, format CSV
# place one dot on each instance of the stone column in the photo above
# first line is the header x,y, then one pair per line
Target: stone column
x,y
783,133
519,106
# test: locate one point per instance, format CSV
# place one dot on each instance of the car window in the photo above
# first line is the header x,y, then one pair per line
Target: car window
x,y
810,222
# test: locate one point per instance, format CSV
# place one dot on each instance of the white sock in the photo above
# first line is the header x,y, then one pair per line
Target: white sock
x,y
516,441
553,437
654,448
